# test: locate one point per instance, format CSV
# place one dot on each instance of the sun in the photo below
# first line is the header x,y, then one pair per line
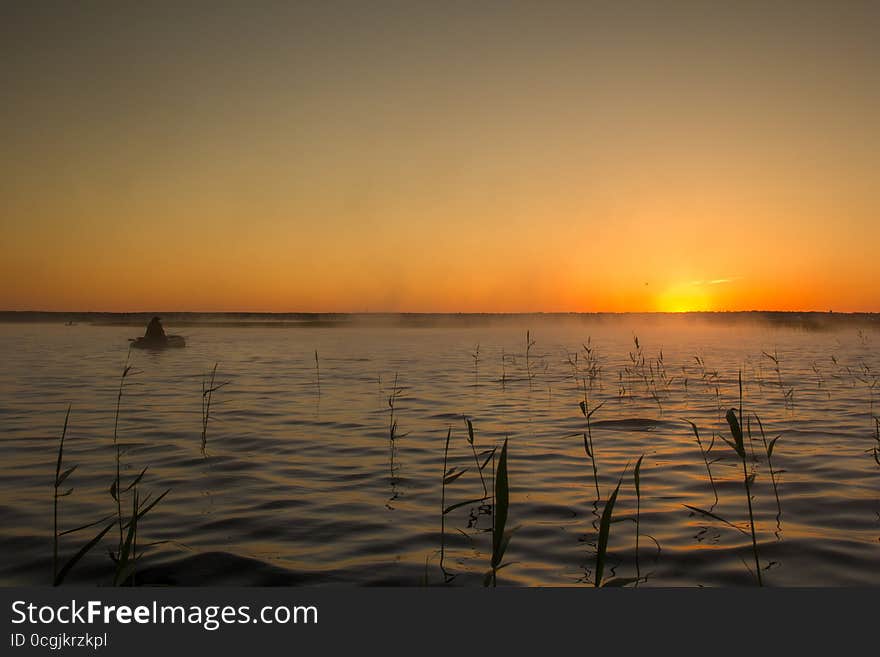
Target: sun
x,y
685,297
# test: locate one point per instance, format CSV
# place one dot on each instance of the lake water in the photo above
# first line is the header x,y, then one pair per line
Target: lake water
x,y
296,482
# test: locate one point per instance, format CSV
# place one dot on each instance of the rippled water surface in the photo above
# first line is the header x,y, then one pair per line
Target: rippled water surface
x,y
297,485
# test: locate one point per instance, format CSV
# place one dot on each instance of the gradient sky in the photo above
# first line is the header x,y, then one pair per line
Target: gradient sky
x,y
446,156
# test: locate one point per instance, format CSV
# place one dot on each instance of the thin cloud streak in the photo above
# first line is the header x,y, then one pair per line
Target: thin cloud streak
x,y
717,281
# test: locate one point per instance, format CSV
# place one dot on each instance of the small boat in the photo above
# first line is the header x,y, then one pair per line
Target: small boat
x,y
169,342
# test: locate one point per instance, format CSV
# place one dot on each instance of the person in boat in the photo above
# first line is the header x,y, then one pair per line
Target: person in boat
x,y
155,332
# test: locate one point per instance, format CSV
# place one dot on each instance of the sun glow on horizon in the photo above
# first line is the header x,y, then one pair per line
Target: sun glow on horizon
x,y
706,295
684,298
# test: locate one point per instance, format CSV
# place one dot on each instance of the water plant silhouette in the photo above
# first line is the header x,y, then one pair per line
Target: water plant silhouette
x,y
705,454
737,434
737,443
500,535
127,371
602,542
768,453
470,439
209,387
529,344
637,484
476,358
588,439
317,375
58,574
393,437
126,556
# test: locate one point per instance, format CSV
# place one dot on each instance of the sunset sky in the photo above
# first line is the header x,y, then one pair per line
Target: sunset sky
x,y
446,156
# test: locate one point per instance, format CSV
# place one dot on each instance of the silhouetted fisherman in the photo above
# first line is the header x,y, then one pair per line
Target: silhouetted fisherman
x,y
155,331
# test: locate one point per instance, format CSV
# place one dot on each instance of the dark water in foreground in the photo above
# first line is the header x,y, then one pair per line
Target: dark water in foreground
x,y
297,487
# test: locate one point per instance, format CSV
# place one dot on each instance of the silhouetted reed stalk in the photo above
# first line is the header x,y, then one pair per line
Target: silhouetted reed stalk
x,y
392,400
443,501
873,386
470,440
317,375
739,447
58,575
768,451
593,368
637,359
656,399
877,439
575,369
209,387
127,558
393,435
449,476
127,370
588,438
657,369
702,365
529,344
684,382
711,381
705,454
500,535
602,542
476,358
637,483
604,532
59,479
818,373
871,382
126,555
788,395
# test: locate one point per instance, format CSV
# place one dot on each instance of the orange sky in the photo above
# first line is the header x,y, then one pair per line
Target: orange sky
x,y
461,157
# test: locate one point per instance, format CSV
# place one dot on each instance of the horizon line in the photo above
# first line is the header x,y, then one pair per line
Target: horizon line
x,y
433,312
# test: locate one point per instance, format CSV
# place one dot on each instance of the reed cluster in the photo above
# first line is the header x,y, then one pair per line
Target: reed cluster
x,y
125,557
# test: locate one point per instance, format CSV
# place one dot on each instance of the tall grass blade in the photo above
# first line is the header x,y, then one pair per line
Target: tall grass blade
x,y
59,578
704,454
59,479
500,537
736,432
604,532
637,483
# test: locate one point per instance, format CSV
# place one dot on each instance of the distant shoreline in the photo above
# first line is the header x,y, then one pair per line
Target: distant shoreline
x,y
804,319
